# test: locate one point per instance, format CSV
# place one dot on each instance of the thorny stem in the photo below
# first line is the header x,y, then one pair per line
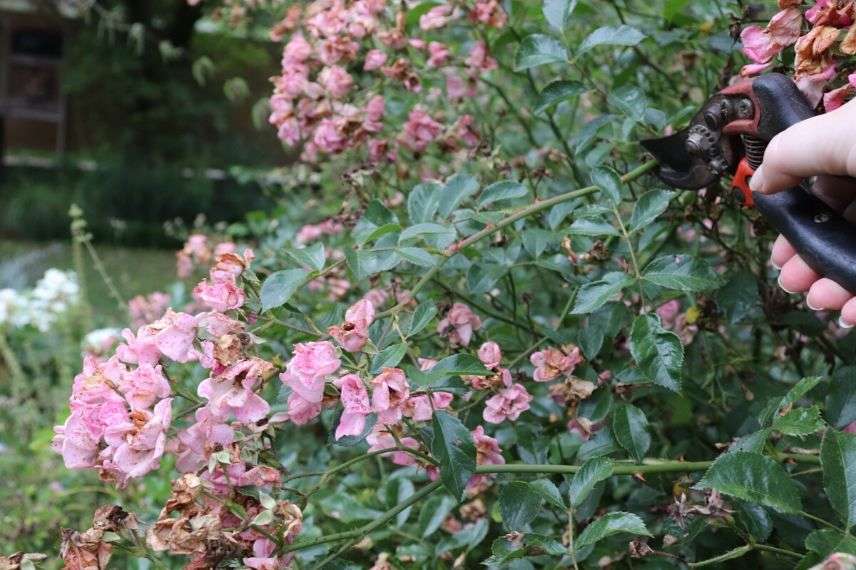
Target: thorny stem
x,y
534,208
370,527
647,466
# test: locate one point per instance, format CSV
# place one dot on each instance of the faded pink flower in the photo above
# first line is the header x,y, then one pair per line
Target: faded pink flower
x,y
785,27
420,409
488,452
147,309
336,81
390,391
420,130
380,439
353,334
490,354
375,59
668,312
232,392
479,59
508,404
141,348
302,411
488,12
550,363
356,404
812,85
136,445
758,46
459,324
144,386
374,112
436,17
175,335
220,296
438,54
195,444
328,136
308,368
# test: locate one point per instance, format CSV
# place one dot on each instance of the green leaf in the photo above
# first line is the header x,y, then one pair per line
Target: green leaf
x,y
538,49
838,459
649,207
421,317
549,492
378,233
754,478
558,13
611,524
452,445
626,36
423,202
389,357
795,394
367,263
658,352
630,427
609,182
433,513
590,474
682,273
536,240
799,422
596,294
417,256
311,256
584,227
519,504
280,286
483,276
841,398
556,92
458,188
502,190
420,230
461,365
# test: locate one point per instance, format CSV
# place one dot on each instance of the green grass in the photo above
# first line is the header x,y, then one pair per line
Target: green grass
x,y
133,270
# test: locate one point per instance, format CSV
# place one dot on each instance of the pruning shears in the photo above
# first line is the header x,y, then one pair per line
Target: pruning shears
x,y
728,136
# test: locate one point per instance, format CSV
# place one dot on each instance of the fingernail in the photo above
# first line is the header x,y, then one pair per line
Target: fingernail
x,y
785,289
756,183
812,307
844,324
775,265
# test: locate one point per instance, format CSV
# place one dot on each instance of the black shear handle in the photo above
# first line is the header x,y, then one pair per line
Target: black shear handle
x,y
821,236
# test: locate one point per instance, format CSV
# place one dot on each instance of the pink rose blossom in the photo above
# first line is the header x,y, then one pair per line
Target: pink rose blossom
x,y
328,136
420,409
390,391
420,130
141,348
785,27
426,364
336,81
144,386
458,325
355,401
380,439
479,59
508,404
307,370
175,336
353,334
487,453
195,444
220,296
136,445
490,354
436,17
147,309
302,411
438,54
550,363
668,312
758,45
812,85
374,112
374,60
232,391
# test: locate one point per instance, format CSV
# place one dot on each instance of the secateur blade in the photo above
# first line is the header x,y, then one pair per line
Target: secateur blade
x,y
677,169
699,155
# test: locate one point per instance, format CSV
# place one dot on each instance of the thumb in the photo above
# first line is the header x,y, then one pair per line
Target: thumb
x,y
820,145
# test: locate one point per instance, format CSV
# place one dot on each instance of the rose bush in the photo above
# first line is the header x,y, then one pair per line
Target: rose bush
x,y
476,330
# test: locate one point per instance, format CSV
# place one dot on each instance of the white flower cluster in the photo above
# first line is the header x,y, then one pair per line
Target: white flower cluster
x,y
54,294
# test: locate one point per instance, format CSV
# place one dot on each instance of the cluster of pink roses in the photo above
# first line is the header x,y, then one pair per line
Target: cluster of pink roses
x,y
312,232
815,62
145,309
220,290
315,101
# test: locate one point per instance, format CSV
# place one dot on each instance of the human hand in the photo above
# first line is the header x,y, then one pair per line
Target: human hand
x,y
823,146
